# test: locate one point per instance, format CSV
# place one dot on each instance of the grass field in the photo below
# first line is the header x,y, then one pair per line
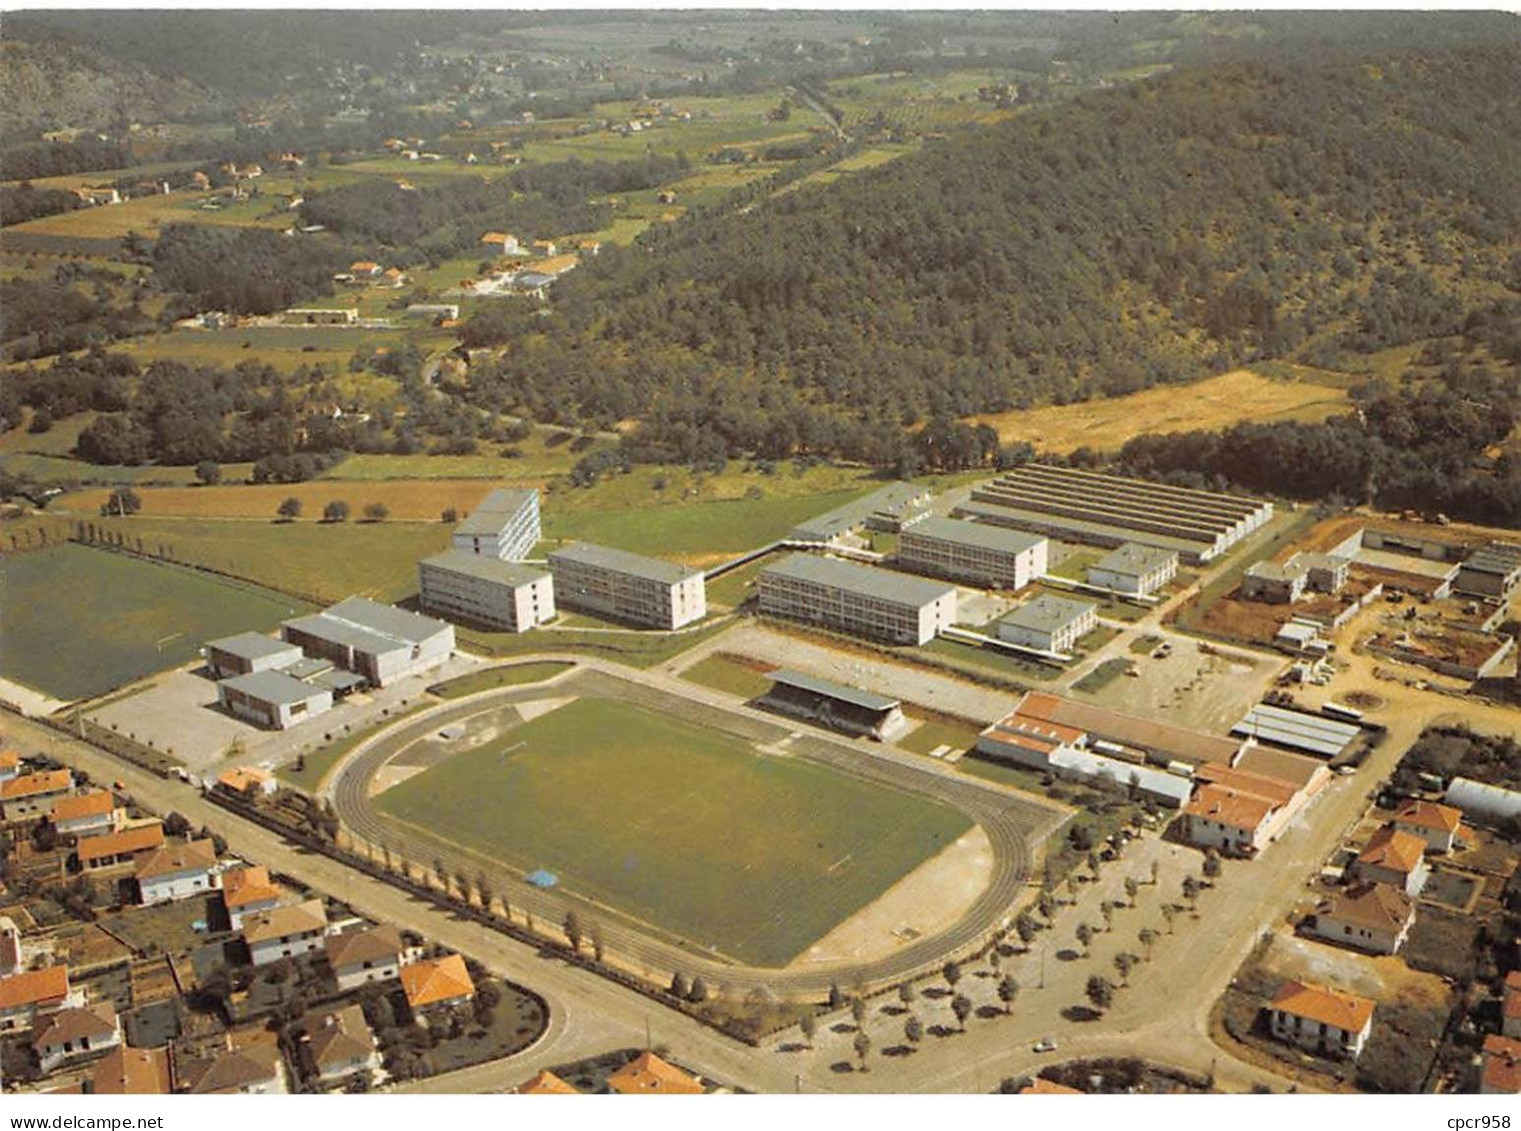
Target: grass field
x,y
724,673
80,621
507,675
324,562
679,826
1217,402
635,649
934,733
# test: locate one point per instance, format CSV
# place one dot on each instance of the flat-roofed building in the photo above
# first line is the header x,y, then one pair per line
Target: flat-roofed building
x,y
834,705
249,652
1298,730
1272,583
856,599
504,525
498,594
1135,569
380,642
992,557
1049,624
273,699
1490,571
892,508
1110,510
628,587
1320,1019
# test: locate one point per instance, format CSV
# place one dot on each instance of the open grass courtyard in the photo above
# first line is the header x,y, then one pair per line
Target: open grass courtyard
x,y
80,621
685,828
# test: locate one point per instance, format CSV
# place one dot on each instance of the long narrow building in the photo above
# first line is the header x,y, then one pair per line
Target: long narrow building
x,y
505,525
1110,510
628,587
507,596
993,557
856,599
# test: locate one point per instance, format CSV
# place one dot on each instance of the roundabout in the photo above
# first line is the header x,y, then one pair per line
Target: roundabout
x,y
692,835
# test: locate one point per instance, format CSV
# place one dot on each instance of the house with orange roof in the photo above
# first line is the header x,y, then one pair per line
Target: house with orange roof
x,y
1040,1086
1500,1073
87,814
1395,858
395,276
1437,825
1510,1006
32,994
247,782
504,243
649,1075
111,850
546,1083
1236,822
126,1071
436,984
1321,1020
75,1033
247,891
589,247
547,248
178,870
364,269
32,795
1368,916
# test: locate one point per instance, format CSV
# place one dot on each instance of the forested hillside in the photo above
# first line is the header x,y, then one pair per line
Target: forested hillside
x,y
1134,237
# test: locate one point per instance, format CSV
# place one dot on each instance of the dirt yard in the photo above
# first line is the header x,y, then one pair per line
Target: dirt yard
x,y
1213,403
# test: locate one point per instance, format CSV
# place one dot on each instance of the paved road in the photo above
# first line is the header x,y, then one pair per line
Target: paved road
x,y
1012,824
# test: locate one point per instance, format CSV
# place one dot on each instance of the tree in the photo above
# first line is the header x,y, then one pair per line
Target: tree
x,y
1025,927
1008,990
952,973
441,874
122,501
1132,889
1100,992
1123,964
1084,936
483,890
1094,864
449,515
808,1025
209,472
376,512
1212,864
1153,873
1168,911
679,986
336,511
913,1030
858,1011
995,958
290,509
907,993
961,1006
1045,903
1106,909
1148,939
862,1045
1190,891
462,882
599,944
699,991
836,995
573,931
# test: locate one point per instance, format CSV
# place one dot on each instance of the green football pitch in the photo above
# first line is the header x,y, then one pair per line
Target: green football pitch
x,y
79,621
685,828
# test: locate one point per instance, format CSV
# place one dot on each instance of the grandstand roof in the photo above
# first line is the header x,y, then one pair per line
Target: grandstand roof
x,y
804,682
1297,730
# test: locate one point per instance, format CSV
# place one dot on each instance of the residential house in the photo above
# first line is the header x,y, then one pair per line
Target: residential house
x,y
364,269
340,1044
546,249
179,869
111,850
374,955
436,984
1500,1074
546,1083
247,782
74,1033
395,276
1394,858
32,795
1049,624
504,243
27,996
648,1075
247,891
255,1070
589,247
284,932
1234,821
1320,1019
1437,825
126,1071
1369,916
87,814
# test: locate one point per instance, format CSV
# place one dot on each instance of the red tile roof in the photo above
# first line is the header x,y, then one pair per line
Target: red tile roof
x,y
1337,1008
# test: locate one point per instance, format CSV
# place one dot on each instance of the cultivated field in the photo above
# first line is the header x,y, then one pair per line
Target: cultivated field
x,y
80,621
1214,403
685,828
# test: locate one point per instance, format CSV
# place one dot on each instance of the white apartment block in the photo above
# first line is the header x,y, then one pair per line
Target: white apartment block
x,y
1135,569
856,599
506,525
628,587
498,594
1049,624
993,557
